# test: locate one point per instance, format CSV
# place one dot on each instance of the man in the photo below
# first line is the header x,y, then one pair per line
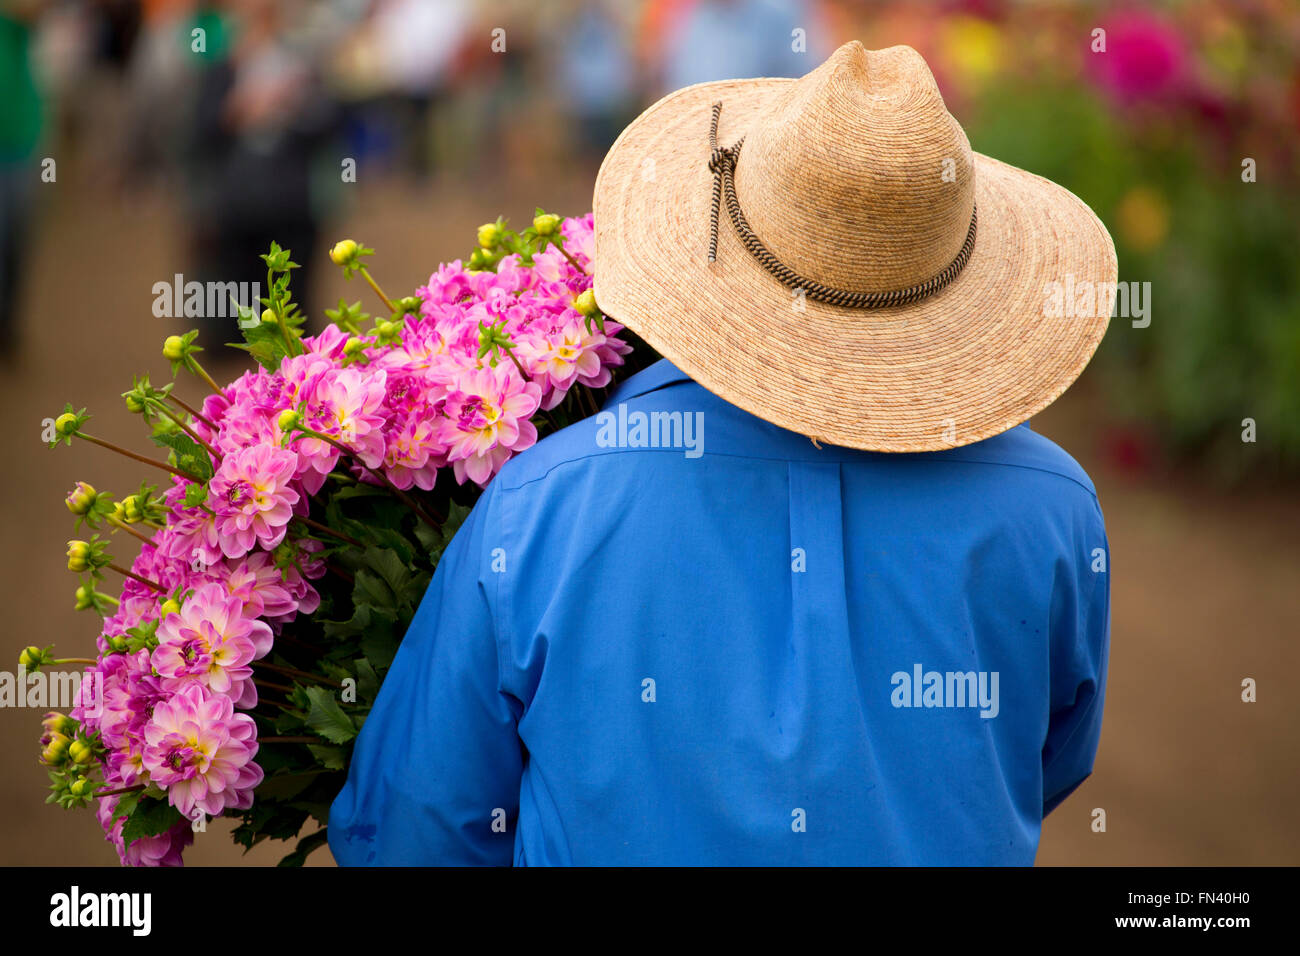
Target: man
x,y
827,600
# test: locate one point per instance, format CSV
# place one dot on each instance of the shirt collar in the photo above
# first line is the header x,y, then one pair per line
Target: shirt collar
x,y
658,375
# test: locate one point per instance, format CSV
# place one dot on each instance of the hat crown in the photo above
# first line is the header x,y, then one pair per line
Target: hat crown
x,y
859,178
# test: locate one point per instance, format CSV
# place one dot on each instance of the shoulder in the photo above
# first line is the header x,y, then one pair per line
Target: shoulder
x,y
1023,448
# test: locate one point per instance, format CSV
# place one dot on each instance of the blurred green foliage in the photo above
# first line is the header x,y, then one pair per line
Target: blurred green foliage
x,y
1221,255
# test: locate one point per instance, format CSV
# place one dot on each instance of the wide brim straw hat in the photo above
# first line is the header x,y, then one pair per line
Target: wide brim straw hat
x,y
873,282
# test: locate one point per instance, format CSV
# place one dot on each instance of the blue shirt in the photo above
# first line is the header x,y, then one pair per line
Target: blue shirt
x,y
738,648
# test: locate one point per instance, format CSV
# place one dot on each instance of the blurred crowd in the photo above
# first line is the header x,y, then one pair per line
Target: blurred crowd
x,y
248,111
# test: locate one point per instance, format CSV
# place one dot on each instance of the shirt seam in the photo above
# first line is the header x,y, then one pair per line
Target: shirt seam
x,y
937,461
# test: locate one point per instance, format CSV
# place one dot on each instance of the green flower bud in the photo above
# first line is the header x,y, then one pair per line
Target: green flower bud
x,y
343,252
133,403
81,787
57,723
78,556
31,658
268,315
173,348
479,260
81,499
65,424
489,235
586,304
56,750
118,643
354,346
169,606
547,224
85,598
80,752
132,509
410,304
289,419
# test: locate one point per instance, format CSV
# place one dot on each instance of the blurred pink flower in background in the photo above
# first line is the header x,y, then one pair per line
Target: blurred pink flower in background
x,y
1145,58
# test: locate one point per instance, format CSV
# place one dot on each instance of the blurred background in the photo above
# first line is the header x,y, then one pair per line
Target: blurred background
x,y
142,140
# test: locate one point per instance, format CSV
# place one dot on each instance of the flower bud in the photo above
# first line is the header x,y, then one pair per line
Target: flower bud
x,y
173,348
354,346
80,787
55,751
385,329
57,723
133,403
409,304
343,252
65,424
479,260
268,315
169,606
31,658
117,643
586,304
489,234
80,752
78,556
85,598
547,224
132,509
81,499
289,419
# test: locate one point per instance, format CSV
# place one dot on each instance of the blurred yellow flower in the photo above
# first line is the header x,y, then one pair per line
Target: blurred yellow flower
x,y
972,47
1143,218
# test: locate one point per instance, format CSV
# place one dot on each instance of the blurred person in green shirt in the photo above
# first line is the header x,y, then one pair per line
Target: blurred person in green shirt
x,y
22,116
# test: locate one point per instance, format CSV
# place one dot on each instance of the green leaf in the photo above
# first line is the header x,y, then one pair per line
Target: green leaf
x,y
150,817
306,845
285,786
190,456
327,718
329,756
265,342
126,803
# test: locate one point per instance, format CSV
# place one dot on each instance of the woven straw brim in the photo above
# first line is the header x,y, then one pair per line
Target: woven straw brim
x,y
971,361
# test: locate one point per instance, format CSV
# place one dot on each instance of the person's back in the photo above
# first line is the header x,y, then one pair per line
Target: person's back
x,y
830,599
740,648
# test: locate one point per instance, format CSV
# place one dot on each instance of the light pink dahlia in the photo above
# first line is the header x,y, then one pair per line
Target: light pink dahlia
x,y
201,752
252,498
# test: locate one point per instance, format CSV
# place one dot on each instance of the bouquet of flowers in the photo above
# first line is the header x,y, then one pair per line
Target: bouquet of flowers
x,y
304,509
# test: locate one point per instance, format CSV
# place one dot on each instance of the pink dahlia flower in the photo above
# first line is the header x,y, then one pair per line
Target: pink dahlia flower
x,y
201,752
487,420
252,498
210,641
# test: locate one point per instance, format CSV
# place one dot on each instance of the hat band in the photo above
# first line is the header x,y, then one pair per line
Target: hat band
x,y
722,163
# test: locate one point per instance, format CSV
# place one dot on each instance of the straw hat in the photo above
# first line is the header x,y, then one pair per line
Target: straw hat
x,y
874,283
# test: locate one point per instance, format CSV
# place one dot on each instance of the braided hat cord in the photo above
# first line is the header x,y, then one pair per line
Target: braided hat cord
x,y
722,163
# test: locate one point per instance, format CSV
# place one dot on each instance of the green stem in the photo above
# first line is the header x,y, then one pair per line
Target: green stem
x,y
133,456
138,577
74,660
186,428
127,528
325,529
365,274
113,793
194,412
294,672
202,373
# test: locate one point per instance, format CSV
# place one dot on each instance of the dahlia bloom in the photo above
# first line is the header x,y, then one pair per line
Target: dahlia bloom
x,y
210,641
253,499
487,421
201,752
